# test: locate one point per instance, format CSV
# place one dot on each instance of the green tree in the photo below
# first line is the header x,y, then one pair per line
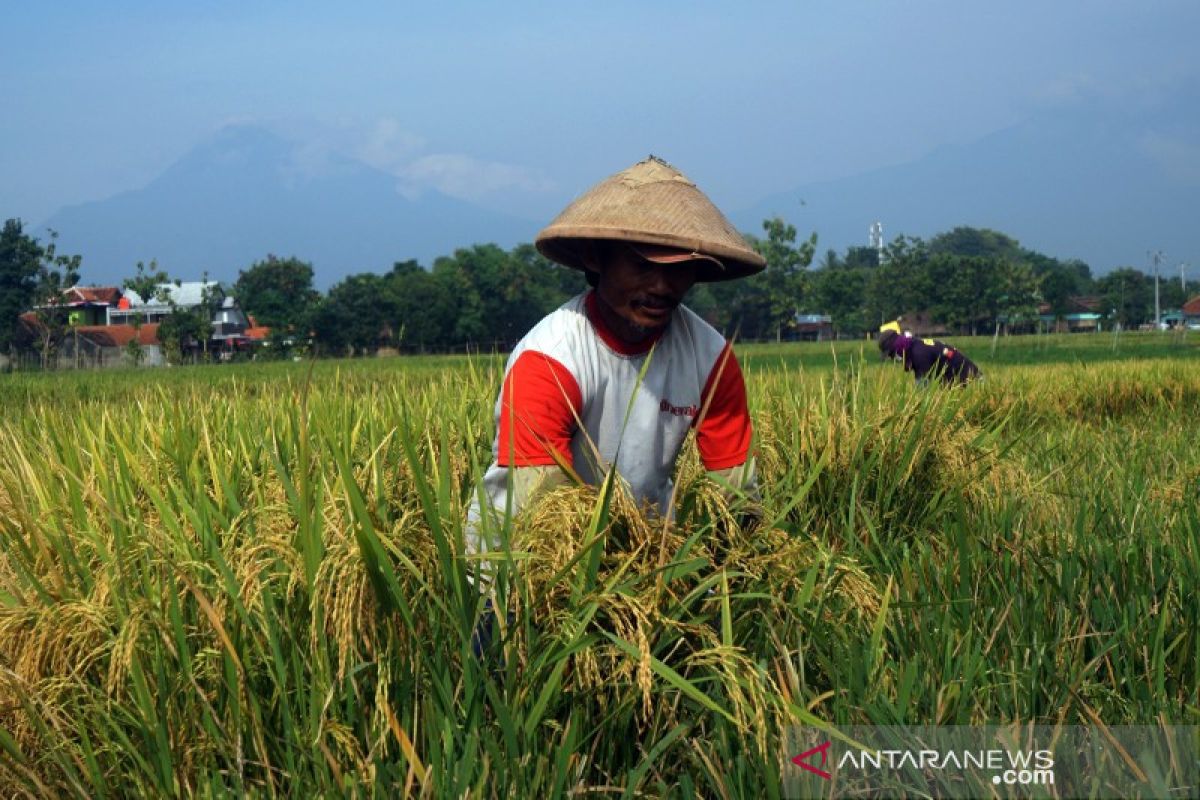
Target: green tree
x,y
424,307
861,257
1057,286
357,313
1018,295
1172,295
977,242
56,273
135,354
968,293
500,295
179,332
212,297
901,283
278,292
831,260
762,305
705,299
841,288
151,285
20,260
979,275
1059,281
1128,294
187,330
785,277
840,292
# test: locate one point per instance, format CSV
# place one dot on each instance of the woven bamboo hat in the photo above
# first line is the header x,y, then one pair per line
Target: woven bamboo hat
x,y
651,203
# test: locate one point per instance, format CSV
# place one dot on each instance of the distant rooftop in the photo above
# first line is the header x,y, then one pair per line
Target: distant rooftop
x,y
83,295
183,294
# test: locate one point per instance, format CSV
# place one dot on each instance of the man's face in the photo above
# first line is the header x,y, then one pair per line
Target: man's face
x,y
643,294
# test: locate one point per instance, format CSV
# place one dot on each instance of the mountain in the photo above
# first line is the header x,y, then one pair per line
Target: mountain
x,y
1103,180
248,193
1103,184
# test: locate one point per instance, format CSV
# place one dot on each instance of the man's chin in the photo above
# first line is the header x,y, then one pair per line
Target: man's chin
x,y
654,319
650,328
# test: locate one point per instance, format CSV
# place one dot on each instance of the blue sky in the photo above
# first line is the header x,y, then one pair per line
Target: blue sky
x,y
520,106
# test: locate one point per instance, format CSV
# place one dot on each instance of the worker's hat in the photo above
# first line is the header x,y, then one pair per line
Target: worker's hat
x,y
891,338
656,209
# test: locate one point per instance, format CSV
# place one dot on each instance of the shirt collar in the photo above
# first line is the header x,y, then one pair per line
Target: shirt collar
x,y
610,337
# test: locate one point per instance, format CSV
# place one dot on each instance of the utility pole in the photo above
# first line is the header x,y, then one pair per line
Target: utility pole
x,y
1183,283
1156,258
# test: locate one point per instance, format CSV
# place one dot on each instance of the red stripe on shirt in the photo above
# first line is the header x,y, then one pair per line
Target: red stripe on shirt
x,y
540,403
723,435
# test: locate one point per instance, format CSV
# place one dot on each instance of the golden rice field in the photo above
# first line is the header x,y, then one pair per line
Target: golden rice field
x,y
230,581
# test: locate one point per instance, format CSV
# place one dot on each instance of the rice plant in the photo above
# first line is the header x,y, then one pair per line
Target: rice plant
x,y
252,582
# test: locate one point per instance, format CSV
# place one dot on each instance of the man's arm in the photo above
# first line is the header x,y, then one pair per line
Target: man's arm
x,y
723,435
535,419
540,404
530,482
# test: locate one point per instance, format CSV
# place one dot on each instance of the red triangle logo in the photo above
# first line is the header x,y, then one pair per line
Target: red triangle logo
x,y
802,760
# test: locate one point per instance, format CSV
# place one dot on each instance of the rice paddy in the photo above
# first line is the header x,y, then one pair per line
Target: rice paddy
x,y
248,580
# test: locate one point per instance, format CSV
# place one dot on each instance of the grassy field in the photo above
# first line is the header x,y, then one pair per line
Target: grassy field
x,y
244,580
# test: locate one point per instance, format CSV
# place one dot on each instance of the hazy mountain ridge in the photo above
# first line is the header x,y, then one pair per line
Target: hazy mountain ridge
x,y
247,193
1069,183
1101,182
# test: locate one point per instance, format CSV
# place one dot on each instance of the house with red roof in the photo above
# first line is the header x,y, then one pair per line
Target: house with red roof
x,y
102,324
108,345
1191,312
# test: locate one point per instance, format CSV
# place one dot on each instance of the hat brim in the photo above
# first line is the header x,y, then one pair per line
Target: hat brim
x,y
568,247
659,254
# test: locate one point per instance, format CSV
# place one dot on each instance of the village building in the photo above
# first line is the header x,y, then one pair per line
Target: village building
x,y
88,305
103,322
1191,313
170,296
812,327
1083,315
97,346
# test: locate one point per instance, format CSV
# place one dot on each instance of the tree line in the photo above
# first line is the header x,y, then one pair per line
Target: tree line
x,y
969,279
486,297
973,279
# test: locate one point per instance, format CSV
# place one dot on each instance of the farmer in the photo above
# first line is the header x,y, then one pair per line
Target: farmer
x,y
926,358
618,375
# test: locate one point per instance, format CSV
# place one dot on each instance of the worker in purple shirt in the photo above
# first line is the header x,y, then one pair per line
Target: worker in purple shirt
x,y
926,358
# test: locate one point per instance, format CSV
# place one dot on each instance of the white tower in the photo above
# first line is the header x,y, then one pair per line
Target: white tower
x,y
875,239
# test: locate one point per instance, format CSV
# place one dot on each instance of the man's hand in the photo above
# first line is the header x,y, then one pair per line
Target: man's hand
x,y
529,482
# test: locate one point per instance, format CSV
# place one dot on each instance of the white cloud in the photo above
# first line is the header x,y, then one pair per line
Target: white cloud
x,y
469,178
388,146
321,147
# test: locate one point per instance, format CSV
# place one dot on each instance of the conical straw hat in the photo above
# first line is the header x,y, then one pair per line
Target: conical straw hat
x,y
650,203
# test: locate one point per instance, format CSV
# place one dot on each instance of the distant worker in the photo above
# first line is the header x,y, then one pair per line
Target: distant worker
x,y
926,358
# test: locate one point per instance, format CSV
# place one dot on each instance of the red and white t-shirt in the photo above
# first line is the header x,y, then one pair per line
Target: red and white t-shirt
x,y
572,387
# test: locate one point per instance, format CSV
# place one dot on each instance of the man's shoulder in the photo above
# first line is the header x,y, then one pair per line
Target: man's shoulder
x,y
698,329
558,331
